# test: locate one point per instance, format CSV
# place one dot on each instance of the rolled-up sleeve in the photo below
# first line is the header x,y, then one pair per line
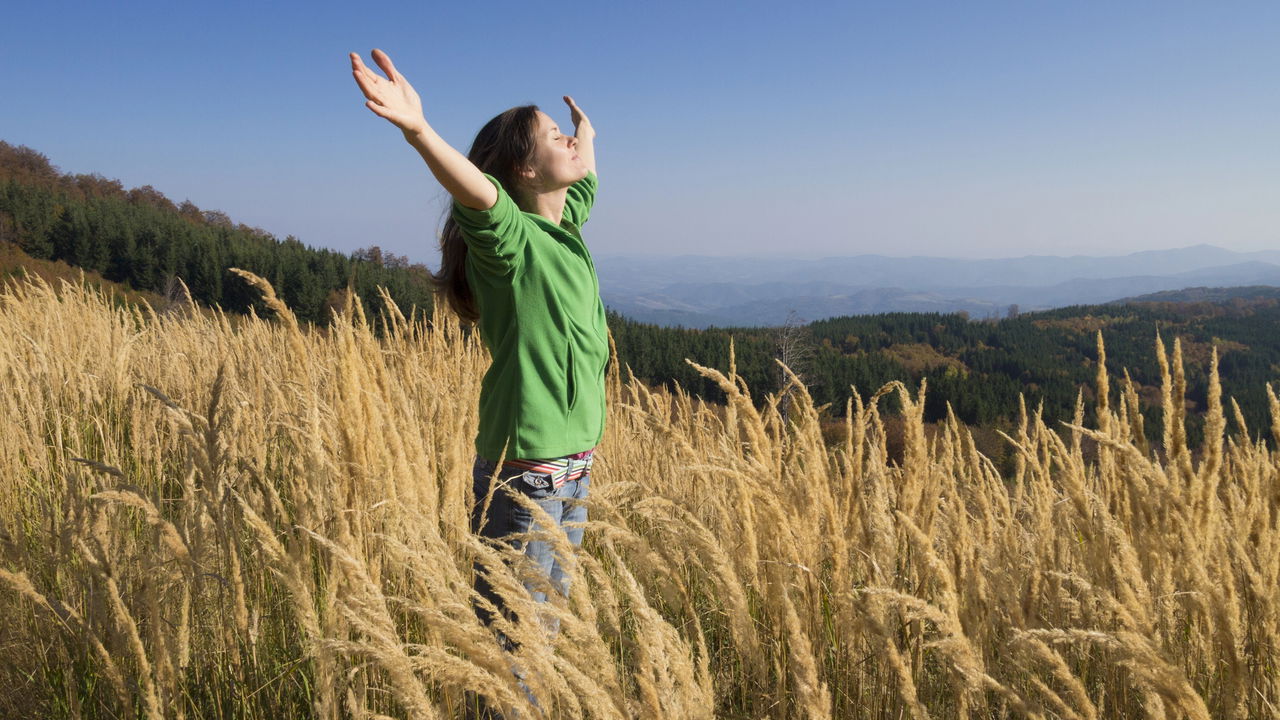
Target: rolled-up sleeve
x,y
496,237
580,198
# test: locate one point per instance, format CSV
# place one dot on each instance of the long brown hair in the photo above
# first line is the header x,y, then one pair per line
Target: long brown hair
x,y
502,148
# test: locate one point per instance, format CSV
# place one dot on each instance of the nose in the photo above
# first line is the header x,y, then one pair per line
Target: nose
x,y
573,141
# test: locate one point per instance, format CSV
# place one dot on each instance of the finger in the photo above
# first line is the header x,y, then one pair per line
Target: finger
x,y
358,66
378,110
366,86
384,62
368,81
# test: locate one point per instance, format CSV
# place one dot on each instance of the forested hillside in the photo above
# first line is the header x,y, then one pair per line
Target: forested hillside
x,y
980,367
143,239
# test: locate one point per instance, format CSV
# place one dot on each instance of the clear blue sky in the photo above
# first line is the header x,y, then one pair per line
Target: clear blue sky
x,y
971,129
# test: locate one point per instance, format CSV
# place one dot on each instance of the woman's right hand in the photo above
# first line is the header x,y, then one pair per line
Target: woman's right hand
x,y
395,99
392,97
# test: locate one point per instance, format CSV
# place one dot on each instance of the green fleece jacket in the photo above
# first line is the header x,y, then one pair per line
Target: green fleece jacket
x,y
541,318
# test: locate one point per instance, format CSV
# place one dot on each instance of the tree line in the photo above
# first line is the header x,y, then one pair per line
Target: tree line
x,y
142,238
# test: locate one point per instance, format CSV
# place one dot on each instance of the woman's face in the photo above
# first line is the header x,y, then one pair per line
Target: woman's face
x,y
555,162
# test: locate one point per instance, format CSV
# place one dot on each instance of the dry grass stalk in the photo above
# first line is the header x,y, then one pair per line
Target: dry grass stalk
x,y
734,566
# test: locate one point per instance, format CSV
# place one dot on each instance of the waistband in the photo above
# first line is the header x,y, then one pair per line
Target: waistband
x,y
562,469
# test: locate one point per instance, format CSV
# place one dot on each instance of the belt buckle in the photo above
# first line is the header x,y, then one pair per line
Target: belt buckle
x,y
536,480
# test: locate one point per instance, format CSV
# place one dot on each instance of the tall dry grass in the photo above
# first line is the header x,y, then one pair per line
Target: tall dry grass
x,y
264,521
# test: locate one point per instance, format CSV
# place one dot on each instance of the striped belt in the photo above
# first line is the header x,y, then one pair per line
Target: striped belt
x,y
561,469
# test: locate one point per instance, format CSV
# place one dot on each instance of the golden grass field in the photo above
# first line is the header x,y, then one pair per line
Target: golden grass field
x,y
208,518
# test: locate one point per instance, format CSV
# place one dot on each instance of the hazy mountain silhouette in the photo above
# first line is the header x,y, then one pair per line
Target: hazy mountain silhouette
x,y
699,291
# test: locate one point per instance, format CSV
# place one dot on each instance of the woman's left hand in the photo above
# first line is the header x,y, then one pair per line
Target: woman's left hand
x,y
581,123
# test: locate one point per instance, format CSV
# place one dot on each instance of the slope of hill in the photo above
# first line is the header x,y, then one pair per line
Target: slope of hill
x,y
1207,294
979,368
141,239
17,265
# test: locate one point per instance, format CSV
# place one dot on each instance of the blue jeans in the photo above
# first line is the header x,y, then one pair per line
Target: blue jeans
x,y
505,517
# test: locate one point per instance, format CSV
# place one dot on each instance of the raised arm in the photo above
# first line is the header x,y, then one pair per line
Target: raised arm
x,y
395,99
585,134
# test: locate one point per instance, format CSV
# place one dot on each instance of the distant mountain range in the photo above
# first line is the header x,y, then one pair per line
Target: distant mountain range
x,y
699,291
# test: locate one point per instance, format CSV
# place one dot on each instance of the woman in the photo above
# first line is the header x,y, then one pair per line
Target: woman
x,y
515,264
